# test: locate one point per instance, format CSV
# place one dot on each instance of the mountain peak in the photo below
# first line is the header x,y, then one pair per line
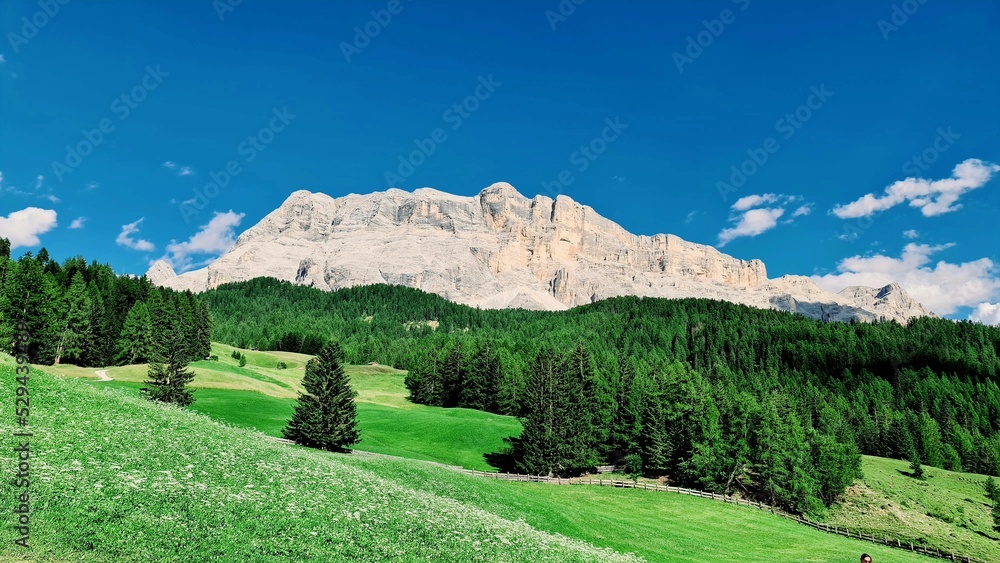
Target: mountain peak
x,y
501,250
502,189
161,271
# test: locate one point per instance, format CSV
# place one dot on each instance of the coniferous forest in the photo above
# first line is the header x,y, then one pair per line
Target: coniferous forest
x,y
83,314
709,394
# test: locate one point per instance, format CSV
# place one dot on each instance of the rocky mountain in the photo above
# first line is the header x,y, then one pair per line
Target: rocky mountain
x,y
500,249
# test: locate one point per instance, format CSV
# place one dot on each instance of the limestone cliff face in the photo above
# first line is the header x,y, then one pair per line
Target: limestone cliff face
x,y
500,249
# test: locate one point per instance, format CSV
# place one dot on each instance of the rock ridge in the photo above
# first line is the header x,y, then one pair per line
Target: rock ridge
x,y
500,249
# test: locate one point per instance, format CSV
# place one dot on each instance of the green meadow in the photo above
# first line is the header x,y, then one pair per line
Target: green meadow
x,y
115,477
947,510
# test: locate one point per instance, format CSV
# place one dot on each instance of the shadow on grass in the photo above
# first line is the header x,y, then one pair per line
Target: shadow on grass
x,y
503,460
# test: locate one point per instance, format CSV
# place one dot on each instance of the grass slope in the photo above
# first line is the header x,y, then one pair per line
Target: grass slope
x,y
116,478
947,510
262,397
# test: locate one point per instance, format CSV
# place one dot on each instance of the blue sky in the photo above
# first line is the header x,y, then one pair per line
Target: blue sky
x,y
114,114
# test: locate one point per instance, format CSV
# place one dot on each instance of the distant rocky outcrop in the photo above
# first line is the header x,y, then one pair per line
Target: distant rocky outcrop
x,y
500,249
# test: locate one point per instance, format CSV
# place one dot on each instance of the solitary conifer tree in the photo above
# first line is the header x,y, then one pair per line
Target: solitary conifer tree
x,y
326,416
168,383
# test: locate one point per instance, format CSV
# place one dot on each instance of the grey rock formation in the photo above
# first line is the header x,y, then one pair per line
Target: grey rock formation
x,y
500,249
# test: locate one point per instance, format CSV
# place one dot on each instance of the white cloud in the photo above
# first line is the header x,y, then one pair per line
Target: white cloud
x,y
803,210
986,313
181,170
749,201
51,198
932,197
38,182
690,217
751,224
212,240
912,233
618,178
125,238
2,60
941,287
91,186
751,219
78,223
23,227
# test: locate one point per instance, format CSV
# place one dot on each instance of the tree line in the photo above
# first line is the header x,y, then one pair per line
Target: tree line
x,y
688,385
85,314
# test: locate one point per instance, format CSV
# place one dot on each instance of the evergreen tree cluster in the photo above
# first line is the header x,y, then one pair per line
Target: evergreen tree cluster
x,y
84,314
787,401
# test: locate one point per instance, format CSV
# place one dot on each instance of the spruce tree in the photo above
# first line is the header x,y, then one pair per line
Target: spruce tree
x,y
424,383
136,342
163,320
204,329
580,410
4,261
30,296
479,391
325,416
167,383
453,375
74,323
536,451
916,467
626,424
186,327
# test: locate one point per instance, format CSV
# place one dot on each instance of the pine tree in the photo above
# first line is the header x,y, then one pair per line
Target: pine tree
x,y
136,342
168,383
993,494
204,329
163,322
916,468
633,466
479,391
536,450
4,262
996,515
580,409
74,324
325,416
453,375
626,424
101,346
424,383
186,328
30,296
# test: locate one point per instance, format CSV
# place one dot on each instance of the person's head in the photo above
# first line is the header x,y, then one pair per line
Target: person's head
x,y
865,558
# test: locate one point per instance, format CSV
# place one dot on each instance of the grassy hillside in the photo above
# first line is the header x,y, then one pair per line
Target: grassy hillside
x,y
947,510
118,478
262,397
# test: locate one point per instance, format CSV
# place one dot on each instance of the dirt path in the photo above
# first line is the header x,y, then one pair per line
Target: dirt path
x,y
102,375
